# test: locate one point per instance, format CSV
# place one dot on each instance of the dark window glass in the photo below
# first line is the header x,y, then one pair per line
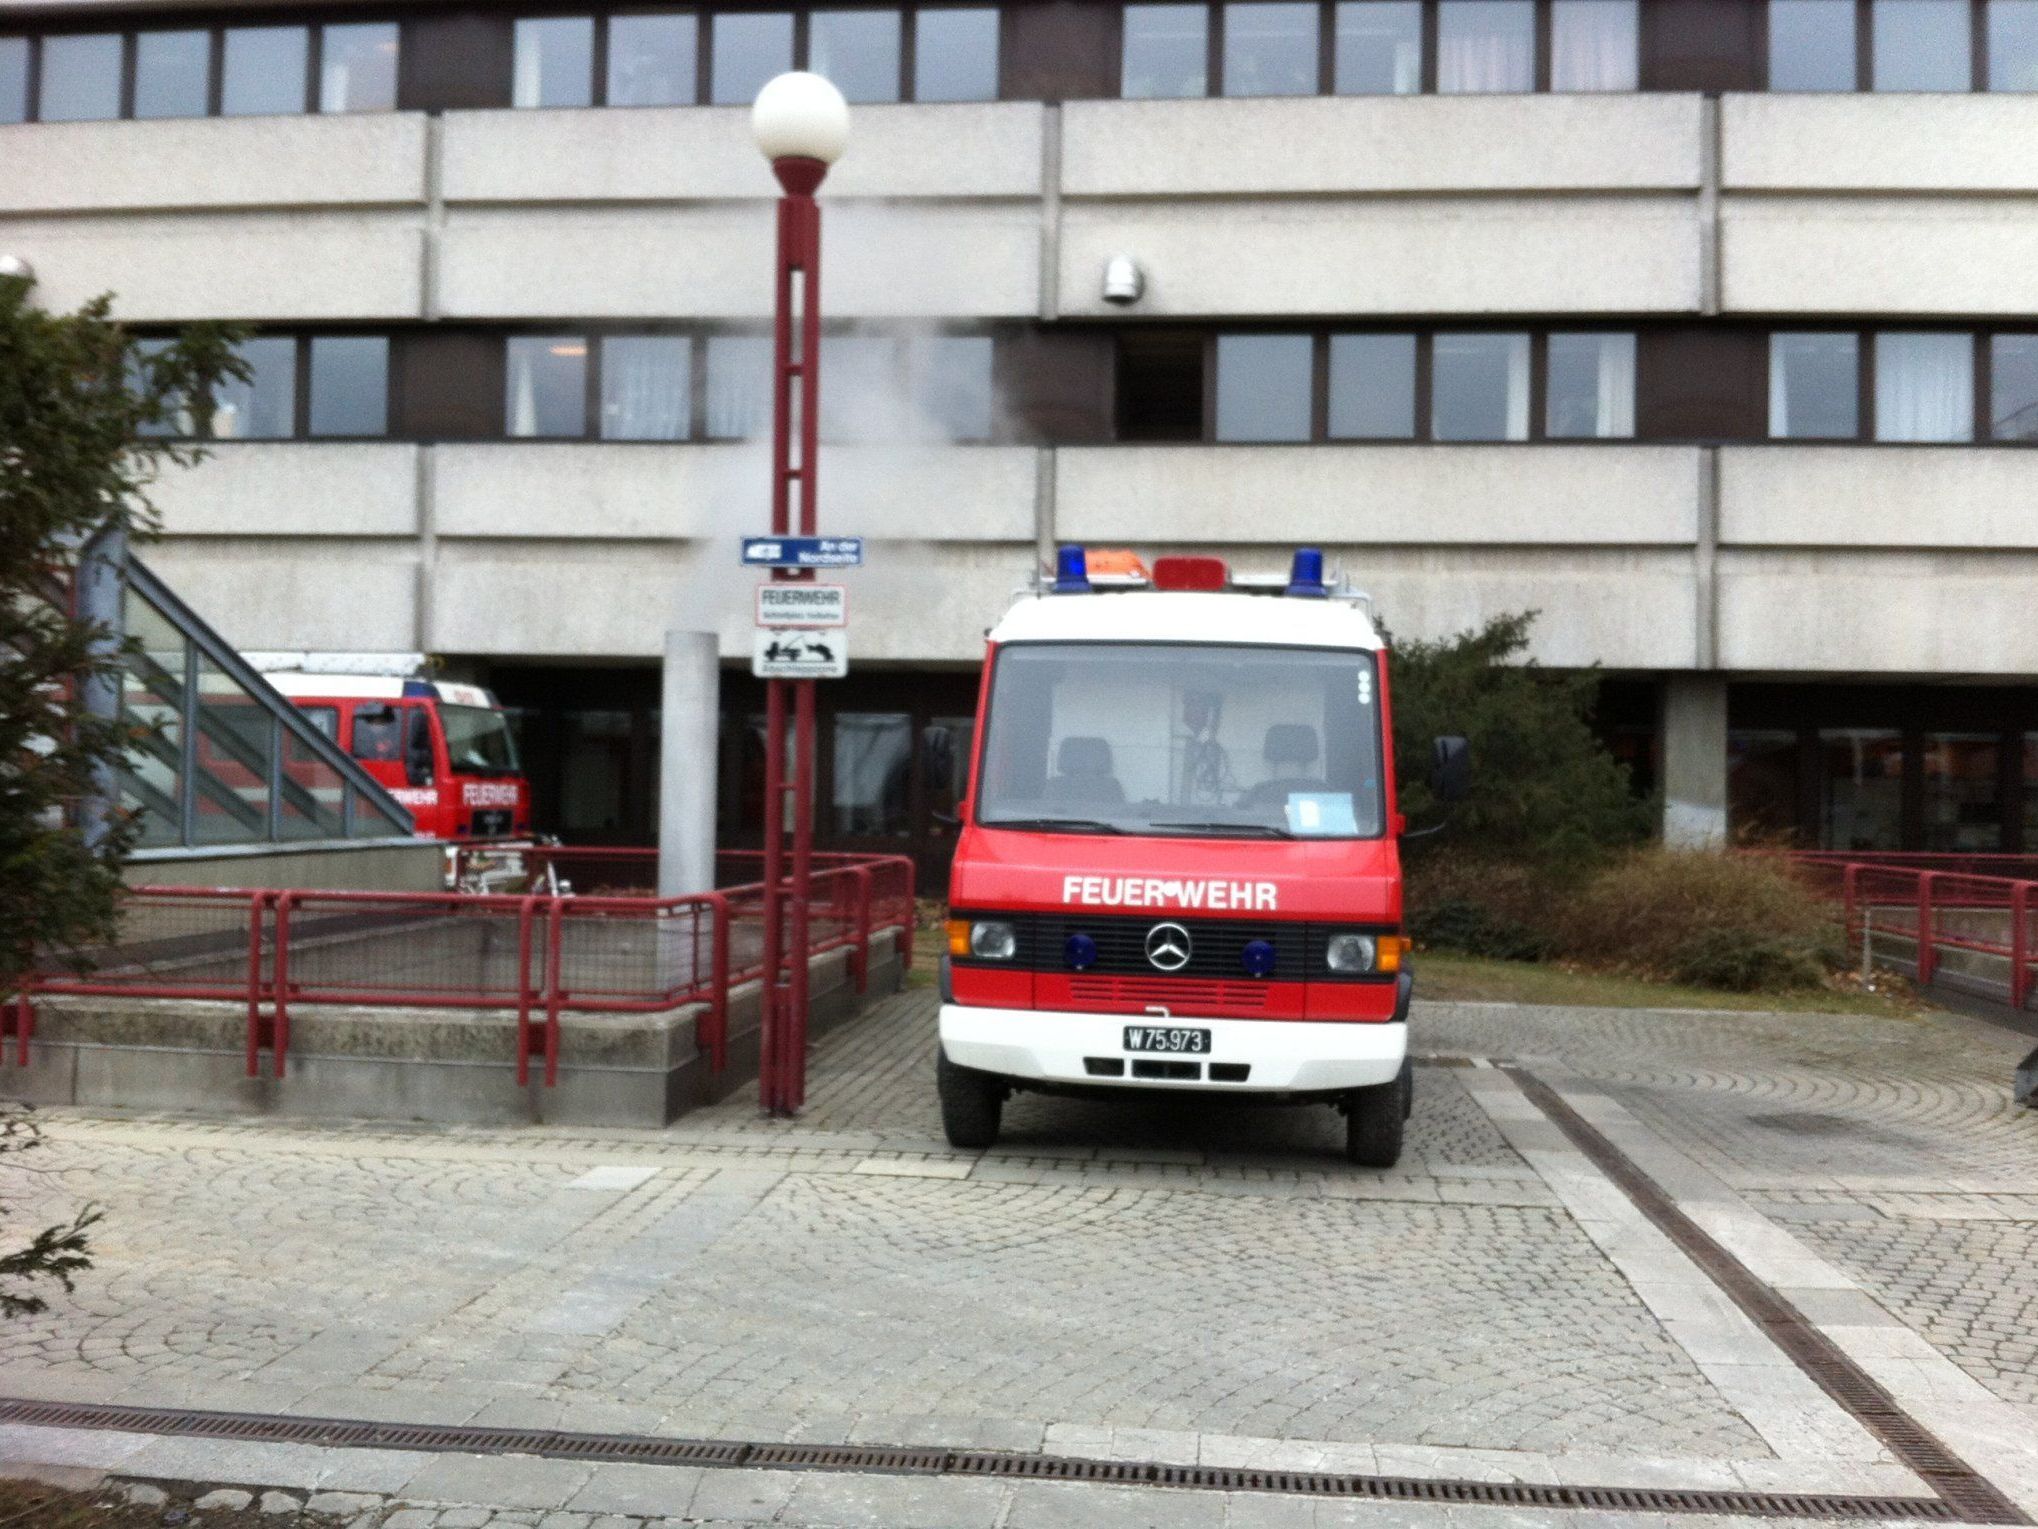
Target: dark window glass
x,y
951,386
2013,396
1814,390
1592,386
1486,46
1762,798
2013,45
646,388
1263,387
1811,44
955,55
739,386
858,50
350,385
1479,387
1924,387
652,61
325,718
1167,52
1922,45
80,78
378,734
547,386
1270,48
860,397
873,759
263,408
357,67
263,75
748,50
13,79
1372,387
1963,792
1378,48
172,73
1594,44
1861,778
554,62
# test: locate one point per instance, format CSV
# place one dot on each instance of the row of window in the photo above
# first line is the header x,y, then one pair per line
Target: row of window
x,y
1965,786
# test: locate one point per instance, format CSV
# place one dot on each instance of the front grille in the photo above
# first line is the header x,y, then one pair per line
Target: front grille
x,y
1174,992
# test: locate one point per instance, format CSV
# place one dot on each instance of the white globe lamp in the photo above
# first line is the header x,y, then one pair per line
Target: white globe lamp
x,y
800,116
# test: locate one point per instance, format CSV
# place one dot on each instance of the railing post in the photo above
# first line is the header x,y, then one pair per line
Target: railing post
x,y
860,878
1850,887
526,911
20,1019
279,998
555,942
256,902
1926,962
2020,944
718,994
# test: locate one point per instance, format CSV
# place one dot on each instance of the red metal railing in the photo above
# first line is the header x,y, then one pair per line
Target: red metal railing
x,y
537,955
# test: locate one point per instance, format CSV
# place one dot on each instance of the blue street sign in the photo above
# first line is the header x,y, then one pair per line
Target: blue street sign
x,y
803,552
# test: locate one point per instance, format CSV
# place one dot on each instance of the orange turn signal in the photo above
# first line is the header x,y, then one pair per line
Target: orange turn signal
x,y
1392,948
958,937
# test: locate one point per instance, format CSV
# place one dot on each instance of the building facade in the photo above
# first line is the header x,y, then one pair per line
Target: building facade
x,y
1707,329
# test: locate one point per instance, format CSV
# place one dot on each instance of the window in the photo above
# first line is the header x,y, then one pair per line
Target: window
x,y
1270,48
81,77
2012,45
873,761
860,398
955,55
858,50
1377,50
325,718
263,408
349,385
1486,46
1594,44
1264,387
653,61
1167,52
1372,387
1963,792
1811,45
357,67
646,388
739,386
2013,392
1922,45
1762,792
748,50
264,71
951,386
13,79
172,74
1592,387
178,420
1480,387
547,386
1924,387
1814,387
378,734
1861,774
554,62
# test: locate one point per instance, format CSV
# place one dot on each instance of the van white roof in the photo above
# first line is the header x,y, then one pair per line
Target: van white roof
x,y
1145,615
381,687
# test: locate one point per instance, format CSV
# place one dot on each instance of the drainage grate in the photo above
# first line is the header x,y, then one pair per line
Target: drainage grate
x,y
893,1460
1962,1491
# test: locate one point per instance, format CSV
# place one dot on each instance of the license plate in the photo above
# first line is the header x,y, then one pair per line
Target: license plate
x,y
1167,1038
492,824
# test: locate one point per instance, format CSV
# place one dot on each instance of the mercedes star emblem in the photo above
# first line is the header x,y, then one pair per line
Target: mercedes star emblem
x,y
1167,947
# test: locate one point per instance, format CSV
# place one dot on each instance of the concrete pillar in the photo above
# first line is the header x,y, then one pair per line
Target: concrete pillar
x,y
1695,760
686,776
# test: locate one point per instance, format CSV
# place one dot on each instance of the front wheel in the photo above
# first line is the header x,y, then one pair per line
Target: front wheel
x,y
1373,1118
972,1104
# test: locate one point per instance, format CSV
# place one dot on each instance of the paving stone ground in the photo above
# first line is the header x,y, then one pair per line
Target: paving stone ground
x,y
1166,1280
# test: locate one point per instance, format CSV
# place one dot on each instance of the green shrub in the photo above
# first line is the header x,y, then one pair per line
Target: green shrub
x,y
1735,964
1461,924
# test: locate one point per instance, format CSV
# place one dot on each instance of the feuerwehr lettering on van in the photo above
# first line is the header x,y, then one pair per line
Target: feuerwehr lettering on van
x,y
1169,892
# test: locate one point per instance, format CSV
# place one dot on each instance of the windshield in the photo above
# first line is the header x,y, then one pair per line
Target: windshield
x,y
1183,738
478,740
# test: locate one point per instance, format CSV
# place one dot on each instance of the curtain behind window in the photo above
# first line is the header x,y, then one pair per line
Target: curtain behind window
x,y
1924,387
1593,45
1486,46
644,385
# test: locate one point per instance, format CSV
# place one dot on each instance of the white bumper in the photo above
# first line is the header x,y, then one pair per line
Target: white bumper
x,y
1285,1055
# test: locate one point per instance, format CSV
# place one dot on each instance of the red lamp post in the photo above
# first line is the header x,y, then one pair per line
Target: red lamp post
x,y
802,124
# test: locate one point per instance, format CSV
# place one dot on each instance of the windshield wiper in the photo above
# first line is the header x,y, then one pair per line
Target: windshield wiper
x,y
1049,825
1243,830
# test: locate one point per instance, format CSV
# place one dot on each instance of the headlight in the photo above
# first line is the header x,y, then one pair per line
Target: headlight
x,y
993,940
1349,954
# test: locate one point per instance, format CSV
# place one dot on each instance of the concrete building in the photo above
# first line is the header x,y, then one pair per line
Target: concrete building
x,y
1706,328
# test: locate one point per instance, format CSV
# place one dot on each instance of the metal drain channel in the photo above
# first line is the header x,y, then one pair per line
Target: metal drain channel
x,y
891,1460
1970,1497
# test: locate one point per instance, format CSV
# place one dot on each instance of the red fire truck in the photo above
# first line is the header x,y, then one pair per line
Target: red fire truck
x,y
1178,865
444,750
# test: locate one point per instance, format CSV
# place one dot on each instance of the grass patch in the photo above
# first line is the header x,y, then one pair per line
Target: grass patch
x,y
1446,975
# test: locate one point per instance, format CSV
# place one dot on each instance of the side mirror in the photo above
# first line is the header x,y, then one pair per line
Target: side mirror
x,y
1450,768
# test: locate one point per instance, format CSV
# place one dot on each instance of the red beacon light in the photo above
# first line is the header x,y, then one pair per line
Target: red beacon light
x,y
1191,573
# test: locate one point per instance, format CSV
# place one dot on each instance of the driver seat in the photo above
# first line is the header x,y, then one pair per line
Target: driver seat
x,y
1084,774
1290,750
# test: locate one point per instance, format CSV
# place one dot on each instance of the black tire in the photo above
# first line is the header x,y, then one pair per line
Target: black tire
x,y
1407,1089
1373,1118
971,1104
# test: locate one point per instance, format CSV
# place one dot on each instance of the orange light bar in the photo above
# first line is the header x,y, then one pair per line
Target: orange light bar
x,y
1116,567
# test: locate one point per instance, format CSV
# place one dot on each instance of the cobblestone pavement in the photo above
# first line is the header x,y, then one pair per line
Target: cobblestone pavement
x,y
1158,1281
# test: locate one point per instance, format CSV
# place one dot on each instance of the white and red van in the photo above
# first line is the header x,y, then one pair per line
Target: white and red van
x,y
444,750
1178,864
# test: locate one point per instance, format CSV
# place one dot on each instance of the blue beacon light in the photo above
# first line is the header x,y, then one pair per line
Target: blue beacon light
x,y
1080,951
1257,958
1071,571
1305,574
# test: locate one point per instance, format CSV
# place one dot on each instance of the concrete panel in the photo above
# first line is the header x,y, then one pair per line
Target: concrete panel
x,y
1948,613
693,153
1627,495
215,162
302,488
397,865
1878,496
1913,256
883,260
1923,142
255,266
265,595
1409,255
1381,144
647,491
